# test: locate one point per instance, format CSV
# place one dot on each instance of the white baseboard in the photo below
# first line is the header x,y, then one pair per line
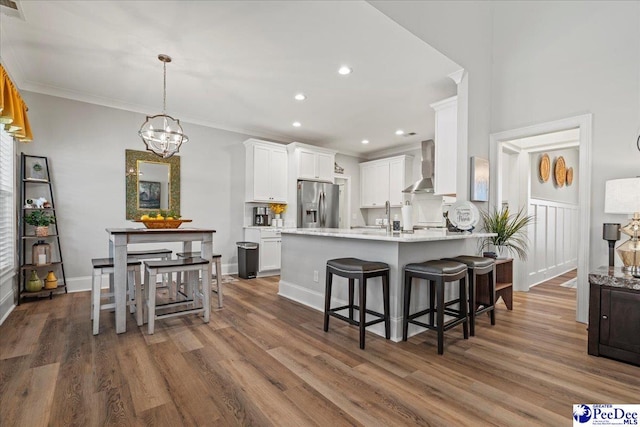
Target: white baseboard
x,y
6,307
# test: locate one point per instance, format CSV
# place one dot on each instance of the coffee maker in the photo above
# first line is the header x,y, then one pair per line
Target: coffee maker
x,y
260,216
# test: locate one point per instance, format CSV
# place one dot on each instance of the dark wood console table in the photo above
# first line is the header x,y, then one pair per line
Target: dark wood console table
x,y
614,315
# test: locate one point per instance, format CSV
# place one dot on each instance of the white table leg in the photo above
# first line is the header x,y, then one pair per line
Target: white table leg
x,y
118,246
207,253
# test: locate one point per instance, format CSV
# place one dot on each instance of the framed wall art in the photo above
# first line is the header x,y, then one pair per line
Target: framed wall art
x,y
479,179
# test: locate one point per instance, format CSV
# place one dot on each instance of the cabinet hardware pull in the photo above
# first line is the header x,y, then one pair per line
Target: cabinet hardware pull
x,y
604,316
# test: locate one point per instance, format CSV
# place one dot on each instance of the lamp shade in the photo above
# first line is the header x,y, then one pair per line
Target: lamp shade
x,y
622,196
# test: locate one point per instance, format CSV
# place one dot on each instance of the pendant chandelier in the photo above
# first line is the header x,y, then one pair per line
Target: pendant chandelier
x,y
162,134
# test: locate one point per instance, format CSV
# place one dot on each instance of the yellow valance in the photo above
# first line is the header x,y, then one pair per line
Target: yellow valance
x,y
13,110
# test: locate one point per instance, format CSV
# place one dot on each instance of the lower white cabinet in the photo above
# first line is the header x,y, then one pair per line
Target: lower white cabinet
x,y
269,240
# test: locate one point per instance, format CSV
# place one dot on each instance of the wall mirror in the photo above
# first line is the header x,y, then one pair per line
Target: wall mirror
x,y
153,183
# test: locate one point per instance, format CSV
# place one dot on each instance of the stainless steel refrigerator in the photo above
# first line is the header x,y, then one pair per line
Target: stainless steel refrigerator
x,y
318,205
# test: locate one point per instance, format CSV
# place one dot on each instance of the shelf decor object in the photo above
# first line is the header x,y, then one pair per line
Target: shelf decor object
x,y
622,196
162,134
544,167
41,253
560,172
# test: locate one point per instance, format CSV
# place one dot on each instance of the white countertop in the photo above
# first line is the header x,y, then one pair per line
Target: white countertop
x,y
381,235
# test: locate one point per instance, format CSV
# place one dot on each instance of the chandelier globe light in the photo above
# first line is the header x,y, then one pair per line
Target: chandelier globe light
x,y
162,134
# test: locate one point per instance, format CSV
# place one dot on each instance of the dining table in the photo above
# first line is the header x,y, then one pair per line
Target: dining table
x,y
120,238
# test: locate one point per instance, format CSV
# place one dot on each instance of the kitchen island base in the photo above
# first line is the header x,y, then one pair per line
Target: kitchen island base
x,y
305,253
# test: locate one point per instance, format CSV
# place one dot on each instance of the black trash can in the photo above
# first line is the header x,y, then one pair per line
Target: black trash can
x,y
247,260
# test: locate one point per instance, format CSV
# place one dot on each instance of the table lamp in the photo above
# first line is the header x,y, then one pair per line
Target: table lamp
x,y
611,233
622,196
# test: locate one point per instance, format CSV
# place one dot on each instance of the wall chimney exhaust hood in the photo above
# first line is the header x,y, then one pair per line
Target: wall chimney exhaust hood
x,y
426,182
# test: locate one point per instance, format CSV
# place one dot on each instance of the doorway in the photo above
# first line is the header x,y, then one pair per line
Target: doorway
x,y
344,200
552,198
500,150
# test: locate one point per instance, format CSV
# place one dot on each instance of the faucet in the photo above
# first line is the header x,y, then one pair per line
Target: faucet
x,y
387,207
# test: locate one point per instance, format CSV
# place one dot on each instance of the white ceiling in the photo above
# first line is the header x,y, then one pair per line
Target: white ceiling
x,y
237,65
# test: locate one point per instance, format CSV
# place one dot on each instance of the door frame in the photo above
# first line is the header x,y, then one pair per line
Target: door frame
x,y
584,123
347,197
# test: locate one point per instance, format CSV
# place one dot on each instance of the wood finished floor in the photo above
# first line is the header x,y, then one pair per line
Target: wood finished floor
x,y
264,360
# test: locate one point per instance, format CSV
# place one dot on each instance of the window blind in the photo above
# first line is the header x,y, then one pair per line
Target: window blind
x,y
7,211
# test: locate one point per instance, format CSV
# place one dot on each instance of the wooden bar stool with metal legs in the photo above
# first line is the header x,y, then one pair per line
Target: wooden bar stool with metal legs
x,y
352,269
105,266
479,266
439,274
217,259
200,289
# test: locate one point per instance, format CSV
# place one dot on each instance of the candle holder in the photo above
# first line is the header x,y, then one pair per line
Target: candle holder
x,y
41,253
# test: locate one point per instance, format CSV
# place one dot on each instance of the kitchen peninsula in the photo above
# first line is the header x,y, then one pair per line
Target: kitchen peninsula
x,y
306,251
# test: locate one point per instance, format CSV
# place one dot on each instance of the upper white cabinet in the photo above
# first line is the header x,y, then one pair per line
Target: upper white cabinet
x,y
312,163
446,156
384,179
266,172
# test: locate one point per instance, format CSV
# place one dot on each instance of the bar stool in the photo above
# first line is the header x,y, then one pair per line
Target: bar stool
x,y
479,266
352,269
149,254
153,268
217,259
105,266
438,274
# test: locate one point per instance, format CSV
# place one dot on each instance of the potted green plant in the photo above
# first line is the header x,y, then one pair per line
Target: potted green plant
x,y
509,228
41,220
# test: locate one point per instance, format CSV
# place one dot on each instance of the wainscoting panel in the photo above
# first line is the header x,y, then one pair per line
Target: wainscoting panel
x,y
553,240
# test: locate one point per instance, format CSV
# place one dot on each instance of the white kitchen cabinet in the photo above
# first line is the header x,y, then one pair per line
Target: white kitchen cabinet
x,y
446,145
266,172
269,240
312,163
384,179
269,255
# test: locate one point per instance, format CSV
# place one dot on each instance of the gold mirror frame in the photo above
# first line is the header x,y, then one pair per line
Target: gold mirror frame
x,y
131,173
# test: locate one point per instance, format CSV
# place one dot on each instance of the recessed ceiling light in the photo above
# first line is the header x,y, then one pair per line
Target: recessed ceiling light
x,y
365,141
399,132
296,124
344,70
300,97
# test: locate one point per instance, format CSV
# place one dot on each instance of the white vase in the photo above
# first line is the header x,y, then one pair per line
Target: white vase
x,y
277,216
502,251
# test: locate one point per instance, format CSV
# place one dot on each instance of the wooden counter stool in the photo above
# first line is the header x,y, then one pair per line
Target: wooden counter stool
x,y
479,266
199,288
438,273
150,254
217,259
352,269
105,266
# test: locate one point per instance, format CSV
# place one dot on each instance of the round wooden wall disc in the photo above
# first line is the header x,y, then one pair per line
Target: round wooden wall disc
x,y
560,172
544,167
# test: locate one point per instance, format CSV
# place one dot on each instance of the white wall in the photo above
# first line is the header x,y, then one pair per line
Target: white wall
x,y
86,145
536,62
559,59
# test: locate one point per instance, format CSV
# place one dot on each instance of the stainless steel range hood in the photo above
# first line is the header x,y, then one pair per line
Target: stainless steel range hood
x,y
425,183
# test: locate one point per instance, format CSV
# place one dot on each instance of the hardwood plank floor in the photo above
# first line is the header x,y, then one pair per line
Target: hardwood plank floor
x,y
264,360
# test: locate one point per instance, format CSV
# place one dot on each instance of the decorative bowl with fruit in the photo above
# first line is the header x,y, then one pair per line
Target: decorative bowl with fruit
x,y
162,220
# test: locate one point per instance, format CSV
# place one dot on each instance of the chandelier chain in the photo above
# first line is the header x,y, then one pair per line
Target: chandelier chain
x,y
164,89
